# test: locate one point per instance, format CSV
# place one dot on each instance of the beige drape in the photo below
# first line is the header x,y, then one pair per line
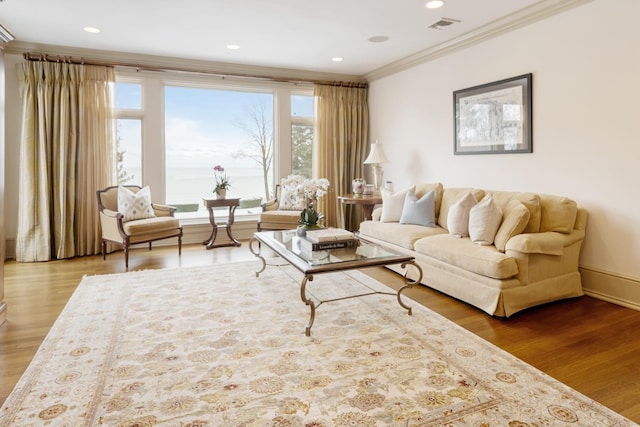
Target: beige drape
x,y
341,147
66,155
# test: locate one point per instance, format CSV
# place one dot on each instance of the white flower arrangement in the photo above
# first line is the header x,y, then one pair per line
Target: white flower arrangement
x,y
307,189
315,188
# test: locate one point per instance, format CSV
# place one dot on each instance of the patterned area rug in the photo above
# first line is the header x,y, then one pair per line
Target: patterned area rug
x,y
215,346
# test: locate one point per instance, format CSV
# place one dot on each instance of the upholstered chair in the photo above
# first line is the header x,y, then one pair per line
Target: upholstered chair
x,y
279,216
134,219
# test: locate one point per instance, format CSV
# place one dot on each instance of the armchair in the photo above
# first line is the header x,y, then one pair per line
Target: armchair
x,y
155,223
276,216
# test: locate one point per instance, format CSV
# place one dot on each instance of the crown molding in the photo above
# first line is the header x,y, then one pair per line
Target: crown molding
x,y
534,13
130,60
5,35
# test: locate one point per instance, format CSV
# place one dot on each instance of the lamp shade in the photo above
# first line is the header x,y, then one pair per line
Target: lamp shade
x,y
376,155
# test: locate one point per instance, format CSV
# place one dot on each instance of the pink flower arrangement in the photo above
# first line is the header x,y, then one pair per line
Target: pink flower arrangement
x,y
222,180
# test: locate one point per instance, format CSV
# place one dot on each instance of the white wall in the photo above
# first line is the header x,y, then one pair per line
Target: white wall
x,y
586,119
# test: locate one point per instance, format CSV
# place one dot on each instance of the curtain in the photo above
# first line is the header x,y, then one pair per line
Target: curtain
x,y
341,147
66,155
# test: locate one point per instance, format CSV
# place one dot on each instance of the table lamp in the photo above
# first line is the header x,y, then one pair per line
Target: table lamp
x,y
376,157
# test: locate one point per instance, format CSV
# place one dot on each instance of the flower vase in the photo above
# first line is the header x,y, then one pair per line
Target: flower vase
x,y
221,194
357,186
301,231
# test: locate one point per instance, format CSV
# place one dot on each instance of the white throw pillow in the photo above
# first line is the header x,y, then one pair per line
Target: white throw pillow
x,y
419,212
292,198
135,205
392,204
484,221
458,217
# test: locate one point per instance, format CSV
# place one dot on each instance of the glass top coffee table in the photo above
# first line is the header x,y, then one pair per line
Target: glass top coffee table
x,y
287,244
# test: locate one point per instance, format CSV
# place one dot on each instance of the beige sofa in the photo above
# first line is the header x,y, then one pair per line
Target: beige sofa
x,y
533,260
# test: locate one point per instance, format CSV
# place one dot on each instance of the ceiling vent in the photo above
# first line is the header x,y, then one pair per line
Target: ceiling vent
x,y
443,22
5,35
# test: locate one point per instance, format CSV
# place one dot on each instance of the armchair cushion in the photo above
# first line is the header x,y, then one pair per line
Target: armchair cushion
x,y
135,205
152,225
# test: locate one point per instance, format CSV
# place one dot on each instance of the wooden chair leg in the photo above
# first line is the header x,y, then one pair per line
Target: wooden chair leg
x,y
104,249
126,254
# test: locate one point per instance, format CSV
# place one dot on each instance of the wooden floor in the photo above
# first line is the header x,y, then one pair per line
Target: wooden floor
x,y
590,345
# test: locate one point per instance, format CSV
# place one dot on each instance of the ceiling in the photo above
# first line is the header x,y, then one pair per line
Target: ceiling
x,y
291,34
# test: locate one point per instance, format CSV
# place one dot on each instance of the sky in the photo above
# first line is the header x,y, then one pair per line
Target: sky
x,y
203,126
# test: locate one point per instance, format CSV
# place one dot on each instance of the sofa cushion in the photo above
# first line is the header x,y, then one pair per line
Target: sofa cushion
x,y
452,195
458,217
422,189
558,213
463,253
530,200
419,212
404,235
514,220
484,221
392,204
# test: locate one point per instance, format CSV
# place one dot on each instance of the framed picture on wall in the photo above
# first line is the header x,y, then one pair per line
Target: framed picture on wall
x,y
494,118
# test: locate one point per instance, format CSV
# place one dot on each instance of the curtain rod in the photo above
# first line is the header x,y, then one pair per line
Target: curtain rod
x,y
81,61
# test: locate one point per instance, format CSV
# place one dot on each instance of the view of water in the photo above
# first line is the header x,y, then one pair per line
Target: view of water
x,y
191,185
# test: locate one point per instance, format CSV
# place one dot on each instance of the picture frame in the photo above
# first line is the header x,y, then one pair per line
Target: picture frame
x,y
494,118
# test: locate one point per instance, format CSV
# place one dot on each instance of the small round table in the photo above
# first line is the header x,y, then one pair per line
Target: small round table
x,y
367,201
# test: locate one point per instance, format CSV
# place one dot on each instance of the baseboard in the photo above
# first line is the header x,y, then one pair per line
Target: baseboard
x,y
10,249
611,287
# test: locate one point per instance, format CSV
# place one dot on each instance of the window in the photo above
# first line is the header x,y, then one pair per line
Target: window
x,y
302,135
210,127
128,96
128,103
128,151
173,128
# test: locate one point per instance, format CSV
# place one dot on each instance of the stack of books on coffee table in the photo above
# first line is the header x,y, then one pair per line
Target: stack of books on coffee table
x,y
328,238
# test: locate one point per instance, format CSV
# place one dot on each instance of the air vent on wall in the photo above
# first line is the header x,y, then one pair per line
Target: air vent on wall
x,y
5,35
443,22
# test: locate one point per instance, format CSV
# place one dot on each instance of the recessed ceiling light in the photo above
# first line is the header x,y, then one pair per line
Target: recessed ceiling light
x,y
92,30
378,39
337,59
233,47
434,4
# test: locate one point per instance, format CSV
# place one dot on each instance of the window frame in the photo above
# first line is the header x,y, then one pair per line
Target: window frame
x,y
152,114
